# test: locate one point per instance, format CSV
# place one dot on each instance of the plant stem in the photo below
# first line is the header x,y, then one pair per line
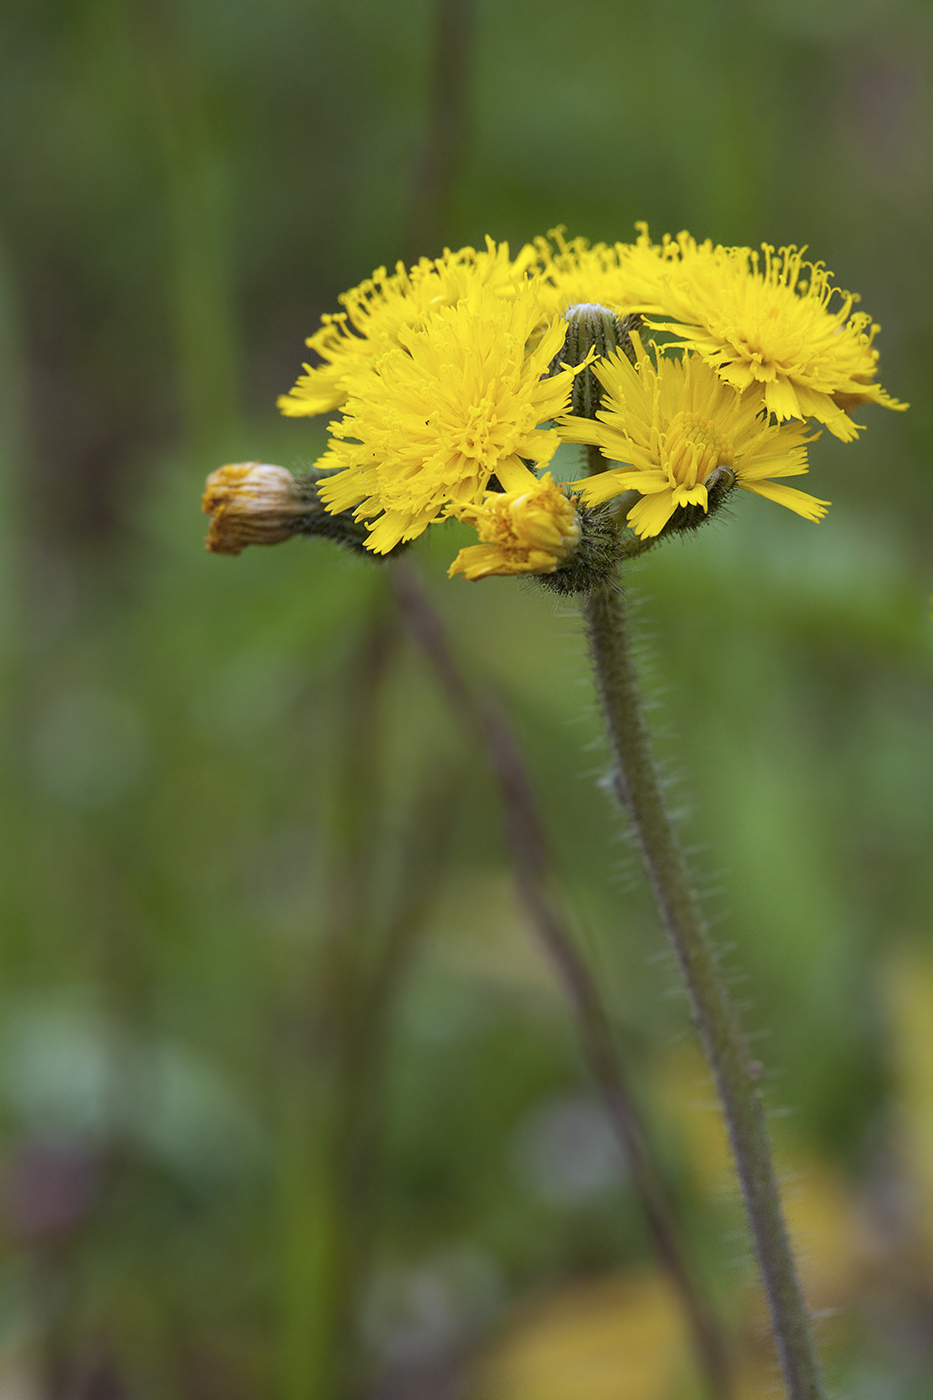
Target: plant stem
x,y
528,846
448,123
639,790
331,1107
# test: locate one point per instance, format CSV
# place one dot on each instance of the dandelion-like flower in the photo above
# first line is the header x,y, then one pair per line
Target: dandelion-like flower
x,y
457,402
676,428
624,277
772,320
252,503
521,532
351,341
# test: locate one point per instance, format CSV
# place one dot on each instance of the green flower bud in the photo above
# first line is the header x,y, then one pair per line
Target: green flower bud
x,y
593,327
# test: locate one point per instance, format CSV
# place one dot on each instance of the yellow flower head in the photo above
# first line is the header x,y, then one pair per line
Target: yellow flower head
x,y
251,503
770,320
456,402
352,341
521,532
671,423
624,277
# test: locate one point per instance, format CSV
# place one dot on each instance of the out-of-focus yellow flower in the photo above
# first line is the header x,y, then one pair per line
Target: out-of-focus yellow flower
x,y
769,320
908,994
672,423
457,402
251,503
521,532
624,277
376,311
601,1339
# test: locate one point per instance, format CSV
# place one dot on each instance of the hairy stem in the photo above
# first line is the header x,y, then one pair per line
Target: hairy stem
x,y
528,847
639,790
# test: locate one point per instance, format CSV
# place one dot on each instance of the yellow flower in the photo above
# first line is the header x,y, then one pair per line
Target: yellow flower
x,y
252,503
456,402
672,423
521,532
353,340
624,277
770,320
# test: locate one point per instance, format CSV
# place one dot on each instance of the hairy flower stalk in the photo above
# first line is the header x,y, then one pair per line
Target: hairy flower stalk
x,y
639,790
535,886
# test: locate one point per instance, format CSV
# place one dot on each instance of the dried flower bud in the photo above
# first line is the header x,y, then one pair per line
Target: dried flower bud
x,y
253,503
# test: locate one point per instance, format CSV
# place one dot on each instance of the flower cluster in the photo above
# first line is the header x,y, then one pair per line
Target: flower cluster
x,y
454,381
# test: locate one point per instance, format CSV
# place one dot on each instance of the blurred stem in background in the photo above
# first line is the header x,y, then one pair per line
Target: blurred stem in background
x,y
338,1117
13,449
201,277
14,454
535,885
335,1107
736,1074
448,127
322,1233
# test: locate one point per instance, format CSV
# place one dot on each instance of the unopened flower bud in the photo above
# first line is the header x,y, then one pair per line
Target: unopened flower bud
x,y
253,503
593,329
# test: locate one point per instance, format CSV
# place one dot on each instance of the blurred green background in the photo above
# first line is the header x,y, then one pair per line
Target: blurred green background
x,y
276,1047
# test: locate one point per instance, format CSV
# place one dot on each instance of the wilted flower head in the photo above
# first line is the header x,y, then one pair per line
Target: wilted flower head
x,y
521,532
252,503
672,424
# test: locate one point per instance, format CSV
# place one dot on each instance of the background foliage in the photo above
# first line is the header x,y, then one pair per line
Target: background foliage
x,y
217,793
